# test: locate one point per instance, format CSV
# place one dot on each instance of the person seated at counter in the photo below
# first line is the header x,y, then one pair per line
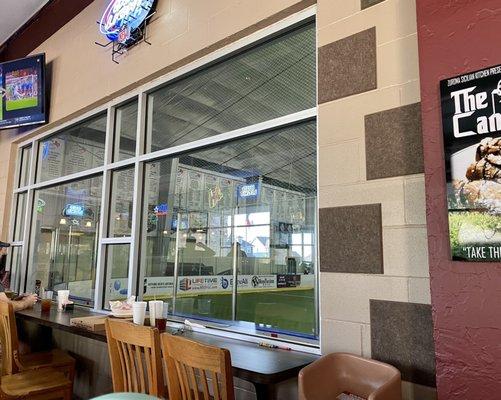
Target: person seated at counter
x,y
22,302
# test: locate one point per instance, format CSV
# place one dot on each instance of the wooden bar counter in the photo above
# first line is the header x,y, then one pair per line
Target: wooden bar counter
x,y
263,367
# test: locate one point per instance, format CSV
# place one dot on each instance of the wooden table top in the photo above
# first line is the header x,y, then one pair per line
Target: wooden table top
x,y
259,365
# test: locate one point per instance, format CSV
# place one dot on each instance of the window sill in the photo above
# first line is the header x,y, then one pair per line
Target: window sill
x,y
243,331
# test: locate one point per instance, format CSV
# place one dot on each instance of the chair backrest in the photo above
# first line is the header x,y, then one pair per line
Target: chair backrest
x,y
135,358
8,339
197,371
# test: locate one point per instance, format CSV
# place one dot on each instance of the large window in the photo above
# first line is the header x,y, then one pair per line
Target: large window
x,y
271,80
203,195
65,238
246,210
74,150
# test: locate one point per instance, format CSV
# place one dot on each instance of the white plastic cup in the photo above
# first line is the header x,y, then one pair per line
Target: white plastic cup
x,y
139,312
62,298
156,310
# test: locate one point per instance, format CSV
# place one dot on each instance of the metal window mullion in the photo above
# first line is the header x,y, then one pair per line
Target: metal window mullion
x,y
13,244
28,239
235,269
135,229
176,265
64,179
280,122
18,165
104,214
29,216
316,268
135,249
120,164
101,250
44,135
13,214
12,223
315,256
117,240
117,127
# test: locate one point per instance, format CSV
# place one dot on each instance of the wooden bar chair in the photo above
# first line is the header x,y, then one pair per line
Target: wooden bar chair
x,y
41,384
13,362
135,358
197,371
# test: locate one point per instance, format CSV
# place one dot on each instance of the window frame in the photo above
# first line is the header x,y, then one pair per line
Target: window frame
x,y
138,162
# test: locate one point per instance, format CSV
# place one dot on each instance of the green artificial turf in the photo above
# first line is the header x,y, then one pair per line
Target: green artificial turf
x,y
284,309
12,105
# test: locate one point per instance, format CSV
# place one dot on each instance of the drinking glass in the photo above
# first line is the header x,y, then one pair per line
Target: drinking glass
x,y
139,312
156,310
46,301
62,297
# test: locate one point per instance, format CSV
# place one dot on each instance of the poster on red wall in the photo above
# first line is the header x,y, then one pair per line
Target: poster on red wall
x,y
471,121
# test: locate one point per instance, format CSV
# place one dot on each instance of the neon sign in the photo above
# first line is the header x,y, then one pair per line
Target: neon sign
x,y
74,210
248,191
161,210
122,17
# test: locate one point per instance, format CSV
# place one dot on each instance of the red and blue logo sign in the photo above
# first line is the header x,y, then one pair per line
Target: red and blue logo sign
x,y
124,16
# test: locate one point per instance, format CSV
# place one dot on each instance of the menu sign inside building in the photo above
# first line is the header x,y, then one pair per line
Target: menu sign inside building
x,y
471,120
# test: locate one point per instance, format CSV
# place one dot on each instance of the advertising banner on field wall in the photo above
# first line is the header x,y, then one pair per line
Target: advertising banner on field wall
x,y
158,286
471,119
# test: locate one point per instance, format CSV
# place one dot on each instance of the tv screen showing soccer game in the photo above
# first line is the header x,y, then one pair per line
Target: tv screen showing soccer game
x,y
22,92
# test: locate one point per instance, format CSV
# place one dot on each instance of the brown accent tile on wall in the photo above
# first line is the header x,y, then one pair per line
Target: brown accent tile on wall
x,y
347,66
402,335
351,239
369,3
393,142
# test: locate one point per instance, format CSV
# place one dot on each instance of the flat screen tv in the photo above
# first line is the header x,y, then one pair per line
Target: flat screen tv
x,y
22,92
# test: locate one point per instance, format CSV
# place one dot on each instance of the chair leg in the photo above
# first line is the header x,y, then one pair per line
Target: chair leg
x,y
71,375
68,393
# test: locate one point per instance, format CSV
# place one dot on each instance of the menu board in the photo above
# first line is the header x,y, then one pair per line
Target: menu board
x,y
52,158
66,155
181,187
195,191
228,192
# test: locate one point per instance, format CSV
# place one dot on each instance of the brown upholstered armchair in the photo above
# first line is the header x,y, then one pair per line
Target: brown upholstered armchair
x,y
336,373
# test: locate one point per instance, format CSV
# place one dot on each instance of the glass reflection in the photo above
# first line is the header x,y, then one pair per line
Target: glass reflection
x,y
117,273
244,209
75,149
65,238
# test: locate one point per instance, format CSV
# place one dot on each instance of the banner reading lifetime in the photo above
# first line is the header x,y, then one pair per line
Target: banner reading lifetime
x,y
471,119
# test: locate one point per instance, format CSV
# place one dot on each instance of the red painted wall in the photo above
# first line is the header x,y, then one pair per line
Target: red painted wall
x,y
458,36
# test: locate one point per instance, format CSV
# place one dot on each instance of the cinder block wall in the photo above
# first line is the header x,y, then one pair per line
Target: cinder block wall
x,y
374,282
